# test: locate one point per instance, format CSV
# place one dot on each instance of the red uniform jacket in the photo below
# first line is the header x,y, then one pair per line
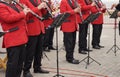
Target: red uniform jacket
x,y
71,24
99,20
48,21
10,18
85,9
35,26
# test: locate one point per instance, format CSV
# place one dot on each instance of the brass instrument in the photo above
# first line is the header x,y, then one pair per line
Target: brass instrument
x,y
55,6
33,13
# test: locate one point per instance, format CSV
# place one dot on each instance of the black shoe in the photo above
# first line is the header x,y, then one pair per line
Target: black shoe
x,y
27,74
51,48
87,50
41,71
96,47
46,49
74,61
82,52
101,46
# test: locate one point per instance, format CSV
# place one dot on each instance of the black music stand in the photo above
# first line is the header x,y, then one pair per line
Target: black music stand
x,y
91,18
115,47
55,24
88,20
9,30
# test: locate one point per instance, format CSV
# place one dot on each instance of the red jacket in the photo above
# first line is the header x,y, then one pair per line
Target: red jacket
x,y
35,26
99,20
10,18
71,24
48,21
85,10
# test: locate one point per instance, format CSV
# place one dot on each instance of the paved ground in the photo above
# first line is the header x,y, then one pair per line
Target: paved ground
x,y
110,64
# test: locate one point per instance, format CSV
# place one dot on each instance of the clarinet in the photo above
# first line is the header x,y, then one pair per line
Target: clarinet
x,y
88,2
106,8
97,5
33,13
77,5
48,8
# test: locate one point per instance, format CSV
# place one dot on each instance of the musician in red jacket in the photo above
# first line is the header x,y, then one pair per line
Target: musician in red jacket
x,y
97,25
85,9
14,42
69,28
49,32
35,34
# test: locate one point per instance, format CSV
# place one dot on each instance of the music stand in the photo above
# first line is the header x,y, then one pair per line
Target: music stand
x,y
55,24
9,30
115,47
89,19
3,61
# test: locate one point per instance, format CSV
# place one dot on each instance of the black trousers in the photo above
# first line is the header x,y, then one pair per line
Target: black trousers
x,y
15,61
83,28
97,30
48,38
69,42
34,52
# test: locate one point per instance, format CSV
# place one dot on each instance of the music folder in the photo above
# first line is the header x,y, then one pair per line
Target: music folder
x,y
59,20
91,18
114,14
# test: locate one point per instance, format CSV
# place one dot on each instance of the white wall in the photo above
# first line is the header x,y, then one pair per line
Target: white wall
x,y
107,2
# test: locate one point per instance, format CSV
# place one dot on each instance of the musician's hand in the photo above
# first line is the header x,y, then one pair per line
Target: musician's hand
x,y
103,7
114,5
26,10
77,10
93,4
79,6
42,5
24,6
45,0
118,14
